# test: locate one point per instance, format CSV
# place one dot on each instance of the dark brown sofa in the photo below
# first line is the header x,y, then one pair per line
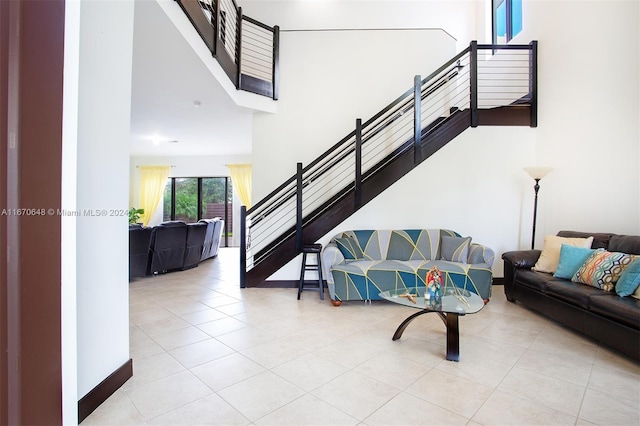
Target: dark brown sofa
x,y
603,316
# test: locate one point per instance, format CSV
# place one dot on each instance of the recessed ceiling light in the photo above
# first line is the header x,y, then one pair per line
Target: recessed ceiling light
x,y
172,141
197,104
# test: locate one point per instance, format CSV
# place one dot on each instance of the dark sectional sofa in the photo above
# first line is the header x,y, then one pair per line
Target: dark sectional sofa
x,y
172,246
601,315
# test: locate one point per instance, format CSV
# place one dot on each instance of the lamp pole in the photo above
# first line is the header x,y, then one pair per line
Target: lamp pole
x,y
536,188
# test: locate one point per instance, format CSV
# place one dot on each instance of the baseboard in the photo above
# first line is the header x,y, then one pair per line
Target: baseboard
x,y
498,281
286,283
104,390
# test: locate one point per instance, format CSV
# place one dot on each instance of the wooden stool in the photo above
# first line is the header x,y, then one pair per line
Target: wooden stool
x,y
311,249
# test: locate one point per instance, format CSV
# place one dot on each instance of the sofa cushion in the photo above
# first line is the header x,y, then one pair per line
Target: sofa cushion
x,y
455,249
349,248
625,244
600,239
571,259
533,279
629,280
573,293
603,269
550,256
625,310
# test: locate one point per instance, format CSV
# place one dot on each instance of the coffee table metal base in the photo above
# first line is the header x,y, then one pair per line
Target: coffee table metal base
x,y
450,321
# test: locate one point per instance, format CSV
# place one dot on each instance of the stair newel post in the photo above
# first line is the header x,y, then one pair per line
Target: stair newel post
x,y
243,246
417,119
474,82
358,180
299,208
533,81
238,48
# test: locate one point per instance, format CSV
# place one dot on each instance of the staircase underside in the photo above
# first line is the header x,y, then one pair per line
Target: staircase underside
x,y
389,171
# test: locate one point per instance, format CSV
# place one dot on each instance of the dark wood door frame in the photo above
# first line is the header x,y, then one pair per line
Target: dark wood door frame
x,y
31,99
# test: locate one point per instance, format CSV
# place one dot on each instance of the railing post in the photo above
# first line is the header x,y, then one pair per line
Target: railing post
x,y
533,82
275,78
243,246
474,82
358,181
215,19
417,119
299,208
238,48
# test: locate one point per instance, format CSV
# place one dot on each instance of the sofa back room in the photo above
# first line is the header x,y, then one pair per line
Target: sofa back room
x,y
172,246
589,282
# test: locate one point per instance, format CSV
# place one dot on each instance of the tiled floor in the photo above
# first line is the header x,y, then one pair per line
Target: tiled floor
x,y
206,352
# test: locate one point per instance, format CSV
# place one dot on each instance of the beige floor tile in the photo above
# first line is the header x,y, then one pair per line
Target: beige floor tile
x,y
118,410
556,366
210,410
307,410
408,410
558,394
387,368
274,353
182,337
161,396
221,326
260,395
487,372
356,394
245,338
226,371
348,352
309,371
151,368
144,346
205,315
171,323
509,409
461,396
605,409
200,352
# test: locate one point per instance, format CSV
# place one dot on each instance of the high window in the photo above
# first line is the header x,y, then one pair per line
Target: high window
x,y
192,199
507,20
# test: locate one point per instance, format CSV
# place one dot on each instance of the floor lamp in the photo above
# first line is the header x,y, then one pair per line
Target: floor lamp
x,y
536,173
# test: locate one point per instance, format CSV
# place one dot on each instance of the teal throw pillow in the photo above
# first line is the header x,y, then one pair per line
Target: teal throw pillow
x,y
455,249
571,259
349,248
629,280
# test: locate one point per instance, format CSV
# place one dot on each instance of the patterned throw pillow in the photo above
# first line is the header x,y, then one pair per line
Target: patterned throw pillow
x,y
455,249
349,248
603,268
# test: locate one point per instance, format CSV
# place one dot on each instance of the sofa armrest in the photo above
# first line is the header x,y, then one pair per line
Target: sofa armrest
x,y
480,254
331,255
522,259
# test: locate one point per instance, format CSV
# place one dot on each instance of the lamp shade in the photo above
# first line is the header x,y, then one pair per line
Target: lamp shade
x,y
538,172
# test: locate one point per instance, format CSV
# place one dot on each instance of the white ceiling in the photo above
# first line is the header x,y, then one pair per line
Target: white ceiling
x,y
168,77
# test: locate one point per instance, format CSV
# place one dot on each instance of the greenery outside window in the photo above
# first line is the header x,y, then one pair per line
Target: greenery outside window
x,y
192,199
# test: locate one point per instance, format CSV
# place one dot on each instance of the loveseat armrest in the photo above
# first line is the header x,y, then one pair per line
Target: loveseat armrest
x,y
331,255
480,254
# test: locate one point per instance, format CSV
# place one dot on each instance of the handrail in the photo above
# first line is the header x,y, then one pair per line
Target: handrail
x,y
246,49
467,82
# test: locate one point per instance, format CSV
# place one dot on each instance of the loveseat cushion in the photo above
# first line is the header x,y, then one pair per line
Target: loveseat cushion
x,y
573,293
349,248
625,310
625,244
455,249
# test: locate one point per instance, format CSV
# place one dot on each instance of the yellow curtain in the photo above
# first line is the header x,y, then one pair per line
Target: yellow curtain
x,y
152,183
241,180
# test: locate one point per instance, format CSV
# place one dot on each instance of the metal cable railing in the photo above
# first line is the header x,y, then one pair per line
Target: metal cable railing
x,y
246,49
486,76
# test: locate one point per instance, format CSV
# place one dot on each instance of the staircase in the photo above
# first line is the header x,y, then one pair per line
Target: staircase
x,y
483,85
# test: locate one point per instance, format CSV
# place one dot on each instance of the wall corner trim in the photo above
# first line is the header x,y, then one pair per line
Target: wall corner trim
x,y
104,390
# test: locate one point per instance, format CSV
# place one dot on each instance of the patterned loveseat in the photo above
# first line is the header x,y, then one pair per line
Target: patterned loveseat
x,y
360,264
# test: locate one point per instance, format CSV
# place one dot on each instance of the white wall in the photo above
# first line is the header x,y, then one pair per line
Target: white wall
x,y
104,96
587,127
190,166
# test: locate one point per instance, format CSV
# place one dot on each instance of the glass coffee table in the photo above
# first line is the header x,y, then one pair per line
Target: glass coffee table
x,y
454,303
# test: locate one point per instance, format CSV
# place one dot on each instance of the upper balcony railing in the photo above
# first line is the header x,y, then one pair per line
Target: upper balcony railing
x,y
246,49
